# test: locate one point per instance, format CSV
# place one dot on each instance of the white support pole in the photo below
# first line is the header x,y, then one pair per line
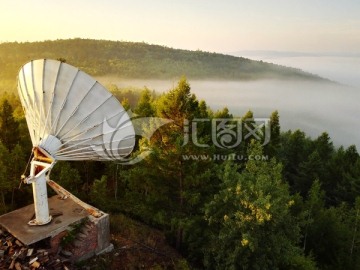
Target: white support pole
x,y
38,182
42,216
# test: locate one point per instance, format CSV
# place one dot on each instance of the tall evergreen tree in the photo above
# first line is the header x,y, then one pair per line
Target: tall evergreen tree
x,y
170,184
273,146
144,106
9,128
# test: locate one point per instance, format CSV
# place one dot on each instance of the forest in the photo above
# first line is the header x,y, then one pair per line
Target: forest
x,y
139,60
297,207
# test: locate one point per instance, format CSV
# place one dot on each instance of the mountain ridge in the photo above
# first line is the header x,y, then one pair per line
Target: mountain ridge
x,y
141,60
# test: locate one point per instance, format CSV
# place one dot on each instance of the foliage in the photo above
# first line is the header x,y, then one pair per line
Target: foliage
x,y
98,193
9,134
251,219
144,106
67,176
169,180
73,232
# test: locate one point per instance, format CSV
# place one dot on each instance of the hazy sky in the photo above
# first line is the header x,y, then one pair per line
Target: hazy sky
x,y
221,26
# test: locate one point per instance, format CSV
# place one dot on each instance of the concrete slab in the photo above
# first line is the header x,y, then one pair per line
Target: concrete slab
x,y
16,222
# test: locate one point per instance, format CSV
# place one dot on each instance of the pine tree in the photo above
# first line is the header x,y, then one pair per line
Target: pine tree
x,y
98,193
172,189
9,128
273,146
16,166
144,107
5,183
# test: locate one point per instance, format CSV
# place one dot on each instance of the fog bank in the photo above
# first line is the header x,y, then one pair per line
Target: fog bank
x,y
311,107
343,68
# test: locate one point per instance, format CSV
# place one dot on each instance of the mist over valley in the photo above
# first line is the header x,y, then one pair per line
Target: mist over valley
x,y
313,107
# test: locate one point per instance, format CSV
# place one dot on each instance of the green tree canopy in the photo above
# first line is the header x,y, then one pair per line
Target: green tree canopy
x,y
252,221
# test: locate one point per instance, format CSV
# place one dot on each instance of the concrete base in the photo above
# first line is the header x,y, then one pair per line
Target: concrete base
x,y
94,238
16,222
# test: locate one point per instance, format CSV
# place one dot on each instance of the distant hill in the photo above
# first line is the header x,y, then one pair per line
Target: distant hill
x,y
278,54
141,61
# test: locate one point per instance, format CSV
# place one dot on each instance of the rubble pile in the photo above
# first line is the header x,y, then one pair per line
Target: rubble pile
x,y
15,255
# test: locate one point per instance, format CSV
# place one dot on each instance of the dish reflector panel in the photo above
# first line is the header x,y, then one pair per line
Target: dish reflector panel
x,y
71,115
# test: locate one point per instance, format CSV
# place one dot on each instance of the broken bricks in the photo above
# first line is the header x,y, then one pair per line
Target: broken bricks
x,y
14,255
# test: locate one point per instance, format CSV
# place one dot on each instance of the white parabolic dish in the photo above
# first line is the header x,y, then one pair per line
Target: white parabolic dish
x,y
71,115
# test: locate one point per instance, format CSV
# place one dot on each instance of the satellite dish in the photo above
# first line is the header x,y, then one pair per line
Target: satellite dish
x,y
70,116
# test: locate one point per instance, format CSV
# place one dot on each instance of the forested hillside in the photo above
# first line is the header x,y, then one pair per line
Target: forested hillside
x,y
291,204
138,60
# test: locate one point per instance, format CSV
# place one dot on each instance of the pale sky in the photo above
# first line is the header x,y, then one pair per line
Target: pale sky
x,y
216,26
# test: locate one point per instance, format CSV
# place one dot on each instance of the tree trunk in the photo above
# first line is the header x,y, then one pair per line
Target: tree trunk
x,y
116,182
354,236
3,201
179,235
12,197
